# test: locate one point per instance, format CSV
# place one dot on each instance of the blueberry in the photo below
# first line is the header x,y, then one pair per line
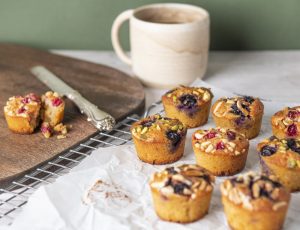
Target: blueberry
x,y
248,99
187,101
171,170
240,120
174,137
179,187
268,151
235,110
291,143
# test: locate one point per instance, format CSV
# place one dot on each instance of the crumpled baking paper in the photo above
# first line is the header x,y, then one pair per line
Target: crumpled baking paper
x,y
121,197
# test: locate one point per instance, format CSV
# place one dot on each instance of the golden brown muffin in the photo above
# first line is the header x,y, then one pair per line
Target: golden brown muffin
x,y
22,113
221,151
190,105
281,157
53,108
159,140
286,123
182,194
254,202
244,114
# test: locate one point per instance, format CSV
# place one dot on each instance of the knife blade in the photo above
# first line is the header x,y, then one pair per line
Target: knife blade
x,y
100,119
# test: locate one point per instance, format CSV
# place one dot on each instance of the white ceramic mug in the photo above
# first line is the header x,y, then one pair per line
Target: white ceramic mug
x,y
169,43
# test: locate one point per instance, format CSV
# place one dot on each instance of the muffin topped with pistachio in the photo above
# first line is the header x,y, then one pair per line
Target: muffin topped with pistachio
x,y
190,105
286,123
243,114
281,157
182,193
158,139
254,197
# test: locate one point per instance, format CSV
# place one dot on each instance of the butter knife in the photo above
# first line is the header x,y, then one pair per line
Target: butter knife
x,y
100,119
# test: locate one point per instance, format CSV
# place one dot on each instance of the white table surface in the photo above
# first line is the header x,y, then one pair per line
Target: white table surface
x,y
273,75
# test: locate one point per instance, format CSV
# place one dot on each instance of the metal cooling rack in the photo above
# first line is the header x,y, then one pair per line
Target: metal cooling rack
x,y
15,195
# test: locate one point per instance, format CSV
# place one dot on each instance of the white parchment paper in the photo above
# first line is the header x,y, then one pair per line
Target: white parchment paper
x,y
123,201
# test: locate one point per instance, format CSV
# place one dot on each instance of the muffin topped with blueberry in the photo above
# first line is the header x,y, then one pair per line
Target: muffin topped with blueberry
x,y
159,140
22,113
286,123
254,198
182,194
221,151
244,114
281,157
190,105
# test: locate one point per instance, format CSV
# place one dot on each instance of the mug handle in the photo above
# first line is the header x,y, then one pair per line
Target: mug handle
x,y
124,16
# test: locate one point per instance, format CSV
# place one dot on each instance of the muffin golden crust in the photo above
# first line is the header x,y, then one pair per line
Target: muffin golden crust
x,y
182,194
159,140
286,123
190,105
244,114
22,113
53,107
254,201
221,151
281,157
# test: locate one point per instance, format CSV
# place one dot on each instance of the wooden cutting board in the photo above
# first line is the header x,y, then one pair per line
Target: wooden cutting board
x,y
110,89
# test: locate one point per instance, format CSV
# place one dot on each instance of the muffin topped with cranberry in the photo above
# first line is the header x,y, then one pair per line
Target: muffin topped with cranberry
x,y
22,113
221,151
182,193
190,105
244,114
281,157
254,197
286,123
53,108
159,140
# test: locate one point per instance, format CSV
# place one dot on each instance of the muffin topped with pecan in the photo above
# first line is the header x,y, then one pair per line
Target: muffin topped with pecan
x,y
183,193
190,105
281,157
253,196
221,151
159,140
22,113
243,114
286,123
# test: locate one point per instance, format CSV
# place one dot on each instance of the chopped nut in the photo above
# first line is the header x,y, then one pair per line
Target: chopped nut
x,y
291,163
61,136
206,96
198,136
145,129
209,148
197,145
278,205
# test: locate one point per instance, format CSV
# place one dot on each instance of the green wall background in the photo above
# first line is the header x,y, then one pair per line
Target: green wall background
x,y
86,24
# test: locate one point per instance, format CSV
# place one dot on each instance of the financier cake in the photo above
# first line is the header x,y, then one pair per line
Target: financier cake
x,y
221,151
281,157
53,108
244,114
190,105
182,194
159,140
22,113
254,202
286,123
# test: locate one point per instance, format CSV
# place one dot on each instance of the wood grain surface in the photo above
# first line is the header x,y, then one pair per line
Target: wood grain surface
x,y
110,89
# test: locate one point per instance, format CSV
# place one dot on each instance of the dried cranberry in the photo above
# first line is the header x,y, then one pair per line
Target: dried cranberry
x,y
187,101
292,114
220,145
147,123
231,135
21,110
57,102
25,100
292,130
210,135
45,129
33,97
268,150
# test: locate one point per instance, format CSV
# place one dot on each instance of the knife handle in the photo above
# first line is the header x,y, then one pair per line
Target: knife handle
x,y
99,118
